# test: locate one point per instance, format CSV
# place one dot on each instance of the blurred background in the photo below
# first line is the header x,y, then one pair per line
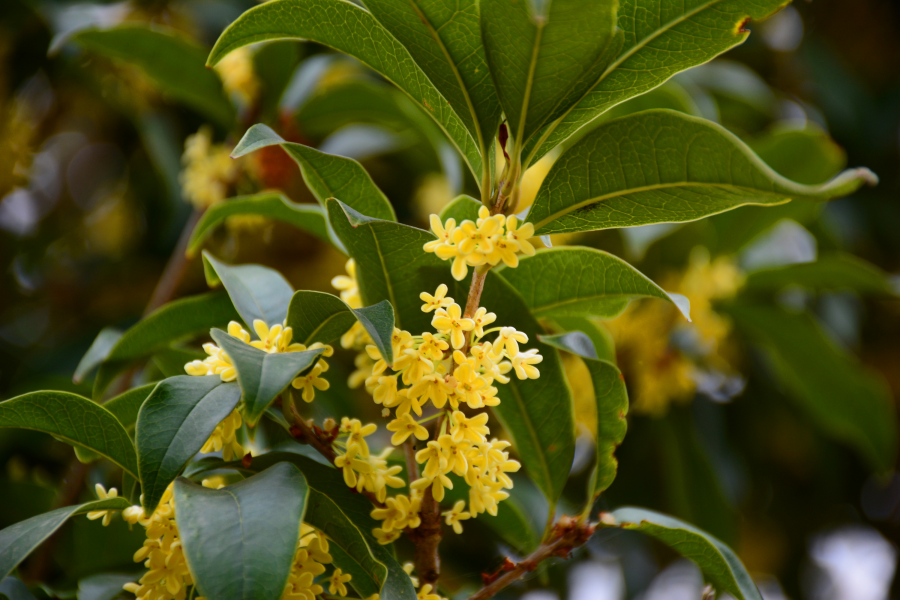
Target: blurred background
x,y
769,422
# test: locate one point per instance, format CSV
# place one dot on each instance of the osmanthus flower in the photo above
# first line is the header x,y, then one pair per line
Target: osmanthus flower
x,y
309,562
380,476
426,593
456,514
450,322
102,494
336,582
352,465
399,512
237,75
439,299
208,170
224,438
471,429
356,434
404,427
349,286
409,568
523,362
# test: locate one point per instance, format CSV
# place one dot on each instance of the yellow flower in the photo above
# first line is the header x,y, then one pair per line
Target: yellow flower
x,y
444,233
455,453
425,593
356,433
453,516
348,286
398,513
385,537
409,568
433,387
509,339
432,348
439,300
434,459
472,429
520,235
523,361
380,476
311,382
336,582
504,250
482,318
404,427
238,79
102,494
452,323
224,437
351,464
386,390
208,170
469,385
437,483
404,402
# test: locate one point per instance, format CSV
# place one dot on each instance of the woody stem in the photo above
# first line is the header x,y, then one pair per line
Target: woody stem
x,y
427,536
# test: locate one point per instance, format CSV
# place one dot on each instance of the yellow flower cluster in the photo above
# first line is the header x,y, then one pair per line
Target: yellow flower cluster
x,y
208,170
238,78
362,469
487,241
309,562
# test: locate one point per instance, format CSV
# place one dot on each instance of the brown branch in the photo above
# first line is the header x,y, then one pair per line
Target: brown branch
x,y
568,534
427,536
174,271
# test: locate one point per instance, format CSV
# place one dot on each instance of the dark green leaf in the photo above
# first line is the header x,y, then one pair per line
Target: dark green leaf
x,y
378,321
544,56
327,175
174,63
346,27
125,408
661,166
262,514
174,423
104,586
272,205
318,317
18,541
174,321
262,376
97,353
13,589
74,420
828,273
719,564
257,292
844,400
604,345
579,282
461,208
660,40
171,361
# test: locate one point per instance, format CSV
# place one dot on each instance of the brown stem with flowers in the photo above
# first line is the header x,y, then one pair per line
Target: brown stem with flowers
x,y
427,536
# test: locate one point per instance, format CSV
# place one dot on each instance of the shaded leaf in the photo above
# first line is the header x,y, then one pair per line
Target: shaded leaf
x,y
125,408
19,540
263,514
828,273
327,175
272,205
257,292
73,419
603,342
661,166
318,317
97,353
461,208
174,423
13,589
580,282
719,564
262,376
103,586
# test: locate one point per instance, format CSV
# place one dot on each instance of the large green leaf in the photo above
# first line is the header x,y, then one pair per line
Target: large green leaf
x,y
844,400
13,589
444,40
604,345
174,63
262,376
327,175
18,541
73,419
661,38
575,281
544,56
174,423
612,406
174,321
828,273
350,29
461,208
262,515
719,564
318,317
271,205
125,408
97,353
661,166
257,292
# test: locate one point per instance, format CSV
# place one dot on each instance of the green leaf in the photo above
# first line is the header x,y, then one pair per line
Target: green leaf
x,y
262,515
828,273
544,56
174,321
661,166
174,423
612,406
171,361
660,40
73,419
847,402
318,317
13,589
577,281
272,205
719,564
97,353
461,208
327,176
257,292
125,408
348,28
172,61
603,342
103,586
262,376
444,40
18,541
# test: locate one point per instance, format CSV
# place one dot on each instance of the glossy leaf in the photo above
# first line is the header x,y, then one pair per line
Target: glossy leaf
x,y
73,419
348,28
271,205
97,353
327,175
262,376
13,589
176,320
172,61
174,423
19,540
262,514
445,41
661,166
828,273
844,400
103,586
579,282
719,564
257,292
603,342
318,317
660,39
544,56
124,407
461,208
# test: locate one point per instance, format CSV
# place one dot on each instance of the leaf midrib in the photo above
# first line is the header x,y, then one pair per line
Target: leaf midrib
x,y
312,335
543,308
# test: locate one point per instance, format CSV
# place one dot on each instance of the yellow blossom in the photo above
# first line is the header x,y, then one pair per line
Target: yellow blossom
x,y
523,361
409,568
348,286
439,300
450,321
520,235
425,593
404,427
238,79
224,437
438,484
336,583
102,494
385,537
399,512
456,514
472,429
509,340
208,170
